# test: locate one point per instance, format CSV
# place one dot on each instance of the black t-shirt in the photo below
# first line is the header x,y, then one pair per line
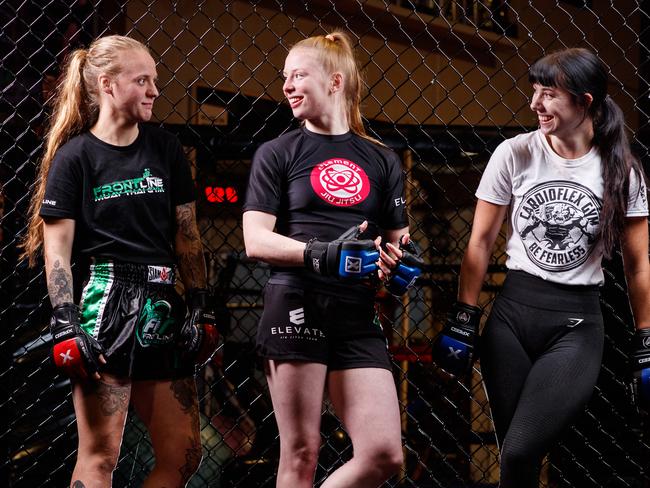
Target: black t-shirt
x,y
122,198
321,185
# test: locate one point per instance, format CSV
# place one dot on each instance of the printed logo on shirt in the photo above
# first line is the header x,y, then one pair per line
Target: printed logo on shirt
x,y
340,182
52,203
136,186
558,222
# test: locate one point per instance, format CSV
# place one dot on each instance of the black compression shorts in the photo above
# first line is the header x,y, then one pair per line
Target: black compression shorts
x,y
136,314
308,325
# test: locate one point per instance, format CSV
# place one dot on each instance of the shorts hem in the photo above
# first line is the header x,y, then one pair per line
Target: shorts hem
x,y
292,357
359,365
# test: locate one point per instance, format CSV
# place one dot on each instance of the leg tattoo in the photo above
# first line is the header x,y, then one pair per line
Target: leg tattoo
x,y
185,393
112,398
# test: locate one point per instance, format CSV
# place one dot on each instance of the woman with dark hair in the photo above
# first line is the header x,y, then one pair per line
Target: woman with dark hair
x,y
570,190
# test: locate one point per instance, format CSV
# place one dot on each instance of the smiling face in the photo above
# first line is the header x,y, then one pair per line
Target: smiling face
x,y
557,113
306,85
134,88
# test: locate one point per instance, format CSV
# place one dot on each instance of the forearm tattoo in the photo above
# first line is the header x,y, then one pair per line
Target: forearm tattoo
x,y
186,221
192,267
59,284
189,249
112,398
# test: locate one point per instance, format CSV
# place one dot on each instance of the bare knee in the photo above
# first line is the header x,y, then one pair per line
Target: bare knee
x,y
100,457
384,462
300,456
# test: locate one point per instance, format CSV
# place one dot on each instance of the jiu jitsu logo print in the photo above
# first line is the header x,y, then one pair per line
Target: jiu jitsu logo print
x,y
558,222
340,182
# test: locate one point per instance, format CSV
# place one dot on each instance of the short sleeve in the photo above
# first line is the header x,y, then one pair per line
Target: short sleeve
x,y
496,182
394,204
265,181
637,203
183,189
63,188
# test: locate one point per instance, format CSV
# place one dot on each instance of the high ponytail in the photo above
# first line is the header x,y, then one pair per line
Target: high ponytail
x,y
581,72
336,55
75,110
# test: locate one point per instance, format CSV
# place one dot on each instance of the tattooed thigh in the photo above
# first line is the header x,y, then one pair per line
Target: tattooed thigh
x,y
113,398
184,391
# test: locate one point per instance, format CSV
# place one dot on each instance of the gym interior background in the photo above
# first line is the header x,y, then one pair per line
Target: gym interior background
x,y
447,81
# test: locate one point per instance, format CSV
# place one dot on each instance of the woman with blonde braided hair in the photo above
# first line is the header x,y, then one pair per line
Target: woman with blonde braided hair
x,y
119,194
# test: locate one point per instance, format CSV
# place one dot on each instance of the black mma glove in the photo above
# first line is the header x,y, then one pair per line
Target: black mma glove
x,y
74,352
453,349
640,363
345,257
199,336
409,267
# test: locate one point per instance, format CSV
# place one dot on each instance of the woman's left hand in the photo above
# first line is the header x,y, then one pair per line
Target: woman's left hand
x,y
389,257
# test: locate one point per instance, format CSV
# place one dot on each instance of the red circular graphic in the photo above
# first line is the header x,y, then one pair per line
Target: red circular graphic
x,y
340,182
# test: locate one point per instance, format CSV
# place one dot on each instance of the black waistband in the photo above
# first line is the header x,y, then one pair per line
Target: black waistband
x,y
133,273
531,290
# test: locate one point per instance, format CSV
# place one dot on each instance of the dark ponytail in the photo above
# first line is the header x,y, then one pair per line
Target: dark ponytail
x,y
581,72
612,142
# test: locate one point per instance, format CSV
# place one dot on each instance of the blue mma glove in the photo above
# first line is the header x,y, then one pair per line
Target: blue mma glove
x,y
346,257
640,362
453,349
409,267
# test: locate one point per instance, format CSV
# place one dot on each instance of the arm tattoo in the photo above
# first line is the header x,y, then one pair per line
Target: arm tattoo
x,y
192,266
189,249
186,222
59,284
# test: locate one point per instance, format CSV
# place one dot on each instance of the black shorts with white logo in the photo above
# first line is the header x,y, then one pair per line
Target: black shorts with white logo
x,y
135,313
306,325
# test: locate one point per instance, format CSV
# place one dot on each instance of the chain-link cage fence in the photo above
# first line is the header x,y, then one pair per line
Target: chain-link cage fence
x,y
447,81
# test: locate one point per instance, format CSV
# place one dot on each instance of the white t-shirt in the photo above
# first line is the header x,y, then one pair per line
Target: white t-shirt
x,y
554,208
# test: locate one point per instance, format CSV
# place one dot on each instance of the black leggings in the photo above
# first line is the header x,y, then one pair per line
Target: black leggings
x,y
541,352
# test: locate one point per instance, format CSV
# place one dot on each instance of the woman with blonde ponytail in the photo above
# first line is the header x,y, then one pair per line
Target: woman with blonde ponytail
x,y
311,193
117,193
